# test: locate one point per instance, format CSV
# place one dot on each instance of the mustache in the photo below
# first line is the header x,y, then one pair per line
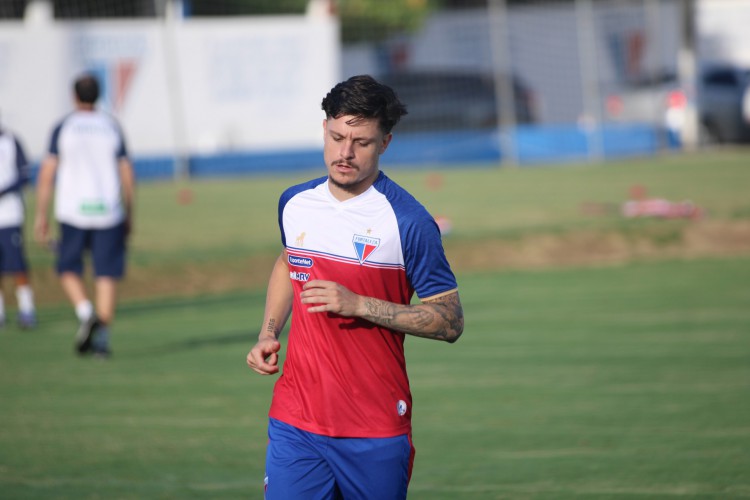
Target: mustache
x,y
343,163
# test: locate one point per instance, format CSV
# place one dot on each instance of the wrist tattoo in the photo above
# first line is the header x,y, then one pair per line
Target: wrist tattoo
x,y
271,328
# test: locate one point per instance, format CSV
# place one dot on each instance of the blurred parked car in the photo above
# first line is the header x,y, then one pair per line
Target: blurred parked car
x,y
443,100
723,104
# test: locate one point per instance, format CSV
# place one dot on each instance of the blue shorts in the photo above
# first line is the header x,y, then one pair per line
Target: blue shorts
x,y
107,247
12,257
301,464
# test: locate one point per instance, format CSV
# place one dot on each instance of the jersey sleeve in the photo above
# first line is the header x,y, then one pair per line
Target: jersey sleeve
x,y
427,267
22,164
54,140
288,195
122,150
21,160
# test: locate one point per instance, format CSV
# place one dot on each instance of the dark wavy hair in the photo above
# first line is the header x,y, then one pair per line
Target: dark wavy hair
x,y
87,89
364,97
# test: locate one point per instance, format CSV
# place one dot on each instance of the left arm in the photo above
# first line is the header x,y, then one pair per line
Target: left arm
x,y
127,181
439,318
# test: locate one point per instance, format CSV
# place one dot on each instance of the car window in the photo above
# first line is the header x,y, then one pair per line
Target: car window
x,y
724,78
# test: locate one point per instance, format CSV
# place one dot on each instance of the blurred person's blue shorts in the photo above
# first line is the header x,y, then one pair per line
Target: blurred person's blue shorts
x,y
12,258
107,247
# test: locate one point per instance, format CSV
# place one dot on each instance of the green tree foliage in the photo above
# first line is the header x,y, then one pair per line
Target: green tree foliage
x,y
361,20
377,19
244,7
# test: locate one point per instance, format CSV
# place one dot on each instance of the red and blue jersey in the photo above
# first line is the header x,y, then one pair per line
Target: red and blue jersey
x,y
346,377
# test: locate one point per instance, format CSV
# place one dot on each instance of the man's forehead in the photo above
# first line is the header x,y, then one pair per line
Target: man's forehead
x,y
345,123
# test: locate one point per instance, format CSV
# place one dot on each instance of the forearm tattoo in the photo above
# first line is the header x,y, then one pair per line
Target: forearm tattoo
x,y
271,328
440,319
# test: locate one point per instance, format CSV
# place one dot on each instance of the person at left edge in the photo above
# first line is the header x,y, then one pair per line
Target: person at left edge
x,y
94,186
13,177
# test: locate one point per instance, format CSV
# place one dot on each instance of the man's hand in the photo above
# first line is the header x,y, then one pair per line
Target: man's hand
x,y
331,297
264,357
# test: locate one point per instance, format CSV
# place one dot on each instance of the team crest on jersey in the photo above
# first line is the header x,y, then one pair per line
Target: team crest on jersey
x,y
364,246
401,407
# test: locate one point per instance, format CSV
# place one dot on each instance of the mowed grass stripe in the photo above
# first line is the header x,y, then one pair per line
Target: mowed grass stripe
x,y
550,393
553,389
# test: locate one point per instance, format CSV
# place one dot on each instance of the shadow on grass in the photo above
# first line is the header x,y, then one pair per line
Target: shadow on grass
x,y
243,337
64,312
169,306
165,304
200,342
194,344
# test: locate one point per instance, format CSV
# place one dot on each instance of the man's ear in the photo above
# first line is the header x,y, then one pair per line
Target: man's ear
x,y
386,142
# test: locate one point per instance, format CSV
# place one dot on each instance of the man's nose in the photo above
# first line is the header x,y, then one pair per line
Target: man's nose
x,y
347,149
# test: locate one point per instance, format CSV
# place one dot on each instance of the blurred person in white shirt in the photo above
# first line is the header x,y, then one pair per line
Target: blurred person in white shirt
x,y
94,184
13,177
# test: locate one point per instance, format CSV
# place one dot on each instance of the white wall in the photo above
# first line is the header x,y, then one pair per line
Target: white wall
x,y
724,27
197,86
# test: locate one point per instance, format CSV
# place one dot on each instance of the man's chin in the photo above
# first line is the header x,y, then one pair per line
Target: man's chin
x,y
342,180
355,186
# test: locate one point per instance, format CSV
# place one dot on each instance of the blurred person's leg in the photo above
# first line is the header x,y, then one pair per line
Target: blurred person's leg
x,y
106,303
75,289
73,243
108,252
13,263
106,299
25,300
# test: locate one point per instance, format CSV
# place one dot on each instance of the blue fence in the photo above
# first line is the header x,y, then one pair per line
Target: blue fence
x,y
534,145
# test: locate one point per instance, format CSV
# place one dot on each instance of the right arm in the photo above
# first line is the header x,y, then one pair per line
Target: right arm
x,y
22,175
45,186
263,357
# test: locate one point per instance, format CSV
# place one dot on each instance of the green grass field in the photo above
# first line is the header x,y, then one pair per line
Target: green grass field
x,y
227,237
624,380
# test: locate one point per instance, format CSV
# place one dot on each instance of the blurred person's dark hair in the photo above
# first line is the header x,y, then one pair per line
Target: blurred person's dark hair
x,y
87,89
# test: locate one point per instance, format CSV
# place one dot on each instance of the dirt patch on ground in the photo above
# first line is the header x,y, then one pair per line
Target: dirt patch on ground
x,y
573,248
577,248
173,280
